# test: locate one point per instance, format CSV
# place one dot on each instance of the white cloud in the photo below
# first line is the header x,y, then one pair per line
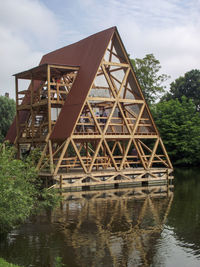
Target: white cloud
x,y
30,20
167,28
27,28
177,48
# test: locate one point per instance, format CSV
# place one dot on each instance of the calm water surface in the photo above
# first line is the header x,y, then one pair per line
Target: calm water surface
x,y
154,226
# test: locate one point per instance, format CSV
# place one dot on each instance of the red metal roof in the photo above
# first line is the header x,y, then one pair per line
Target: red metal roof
x,y
87,54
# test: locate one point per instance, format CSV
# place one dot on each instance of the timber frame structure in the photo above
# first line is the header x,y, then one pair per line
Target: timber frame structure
x,y
85,111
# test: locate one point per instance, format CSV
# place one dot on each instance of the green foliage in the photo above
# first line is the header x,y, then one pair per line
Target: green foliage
x,y
34,156
58,262
50,198
188,85
4,263
7,111
20,189
179,126
147,72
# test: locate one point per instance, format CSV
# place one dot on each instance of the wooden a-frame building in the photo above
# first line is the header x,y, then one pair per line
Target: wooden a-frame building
x,y
86,112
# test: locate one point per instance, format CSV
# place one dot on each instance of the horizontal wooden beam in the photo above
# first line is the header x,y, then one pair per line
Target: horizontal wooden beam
x,y
114,136
64,67
134,101
107,99
115,64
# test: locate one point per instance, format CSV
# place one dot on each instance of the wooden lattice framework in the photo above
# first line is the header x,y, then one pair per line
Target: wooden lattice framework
x,y
114,138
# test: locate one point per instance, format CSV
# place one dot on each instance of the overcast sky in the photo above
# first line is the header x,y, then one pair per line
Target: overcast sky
x,y
170,29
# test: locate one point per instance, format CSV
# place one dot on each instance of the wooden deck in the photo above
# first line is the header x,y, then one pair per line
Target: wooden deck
x,y
77,180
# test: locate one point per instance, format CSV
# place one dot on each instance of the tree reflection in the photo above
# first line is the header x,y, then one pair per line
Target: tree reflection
x,y
184,217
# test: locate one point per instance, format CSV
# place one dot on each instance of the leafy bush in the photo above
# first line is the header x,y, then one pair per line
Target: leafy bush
x,y
58,262
4,263
20,189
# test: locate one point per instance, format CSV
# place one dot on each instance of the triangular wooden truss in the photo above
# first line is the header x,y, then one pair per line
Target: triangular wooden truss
x,y
114,136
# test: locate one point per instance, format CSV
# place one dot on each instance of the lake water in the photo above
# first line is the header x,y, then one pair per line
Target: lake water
x,y
154,226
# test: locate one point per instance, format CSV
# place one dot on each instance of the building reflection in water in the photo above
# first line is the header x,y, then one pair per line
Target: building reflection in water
x,y
114,227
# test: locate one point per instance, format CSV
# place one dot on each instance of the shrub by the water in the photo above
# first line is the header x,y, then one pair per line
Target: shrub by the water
x,y
20,189
4,263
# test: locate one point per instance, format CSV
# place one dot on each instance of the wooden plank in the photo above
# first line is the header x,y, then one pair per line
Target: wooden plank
x,y
17,113
132,101
107,63
165,152
106,99
42,157
140,153
111,156
123,81
49,98
61,156
153,153
108,80
115,78
51,157
138,119
95,155
32,113
109,118
63,67
23,92
17,119
124,118
79,156
94,117
125,154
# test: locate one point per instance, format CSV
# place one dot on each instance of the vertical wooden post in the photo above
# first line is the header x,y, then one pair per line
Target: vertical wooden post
x,y
17,112
57,91
49,97
168,182
42,157
17,118
67,169
167,177
61,181
32,113
51,157
86,154
61,156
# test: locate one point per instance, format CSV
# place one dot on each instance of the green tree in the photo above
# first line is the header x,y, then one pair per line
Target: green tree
x,y
147,71
18,192
7,111
187,85
179,126
20,189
